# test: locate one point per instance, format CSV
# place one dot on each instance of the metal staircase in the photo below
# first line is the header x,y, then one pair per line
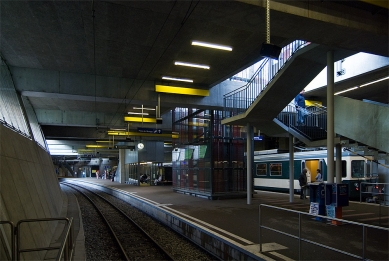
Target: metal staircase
x,y
239,100
315,124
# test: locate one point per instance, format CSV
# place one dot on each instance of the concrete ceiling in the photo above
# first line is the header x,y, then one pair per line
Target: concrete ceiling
x,y
99,59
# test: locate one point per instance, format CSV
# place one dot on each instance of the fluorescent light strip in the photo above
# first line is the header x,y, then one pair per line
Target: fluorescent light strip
x,y
350,89
144,108
138,113
176,79
383,79
210,45
202,66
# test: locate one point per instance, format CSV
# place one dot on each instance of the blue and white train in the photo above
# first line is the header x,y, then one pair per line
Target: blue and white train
x,y
271,171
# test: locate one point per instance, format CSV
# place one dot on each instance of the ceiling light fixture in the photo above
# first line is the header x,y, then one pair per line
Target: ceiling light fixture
x,y
176,79
210,45
113,129
347,90
362,85
138,113
379,80
202,66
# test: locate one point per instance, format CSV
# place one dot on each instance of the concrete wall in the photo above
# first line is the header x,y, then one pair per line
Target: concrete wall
x,y
29,189
364,122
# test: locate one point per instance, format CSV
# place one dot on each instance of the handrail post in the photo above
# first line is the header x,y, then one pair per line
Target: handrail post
x,y
260,230
12,229
363,242
299,236
66,255
17,234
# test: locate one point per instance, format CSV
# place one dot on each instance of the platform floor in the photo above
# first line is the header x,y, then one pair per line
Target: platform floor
x,y
239,221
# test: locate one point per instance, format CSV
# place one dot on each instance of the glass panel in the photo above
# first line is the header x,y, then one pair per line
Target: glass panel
x,y
276,169
261,169
357,168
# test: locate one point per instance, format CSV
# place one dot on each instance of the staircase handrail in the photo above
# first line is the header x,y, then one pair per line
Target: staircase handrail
x,y
315,121
264,61
243,97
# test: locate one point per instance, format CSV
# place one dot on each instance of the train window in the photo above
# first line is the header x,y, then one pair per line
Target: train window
x,y
261,169
357,168
276,169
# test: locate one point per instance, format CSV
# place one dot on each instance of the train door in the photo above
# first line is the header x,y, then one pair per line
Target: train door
x,y
312,166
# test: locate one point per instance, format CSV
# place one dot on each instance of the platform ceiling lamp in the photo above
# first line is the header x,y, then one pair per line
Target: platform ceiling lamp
x,y
269,50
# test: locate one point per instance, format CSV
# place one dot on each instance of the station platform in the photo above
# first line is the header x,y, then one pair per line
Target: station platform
x,y
239,221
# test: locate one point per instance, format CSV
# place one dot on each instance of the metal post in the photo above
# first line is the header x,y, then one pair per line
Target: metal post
x,y
260,228
268,21
291,168
299,236
122,172
249,157
66,254
330,117
338,164
363,242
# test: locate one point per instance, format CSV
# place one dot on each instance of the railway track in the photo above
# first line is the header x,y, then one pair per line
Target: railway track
x,y
132,242
129,234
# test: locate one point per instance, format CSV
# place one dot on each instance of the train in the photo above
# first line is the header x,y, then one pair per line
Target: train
x,y
271,170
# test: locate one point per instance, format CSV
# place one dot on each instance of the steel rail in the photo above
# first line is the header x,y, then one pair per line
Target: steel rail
x,y
129,219
104,218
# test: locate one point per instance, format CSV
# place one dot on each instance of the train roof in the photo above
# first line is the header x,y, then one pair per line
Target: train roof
x,y
318,154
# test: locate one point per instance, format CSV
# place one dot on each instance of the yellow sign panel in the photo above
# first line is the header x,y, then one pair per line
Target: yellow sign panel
x,y
140,119
143,134
181,90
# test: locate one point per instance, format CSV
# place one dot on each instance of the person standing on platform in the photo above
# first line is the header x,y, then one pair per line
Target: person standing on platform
x,y
97,174
159,179
306,193
319,177
303,183
300,107
113,176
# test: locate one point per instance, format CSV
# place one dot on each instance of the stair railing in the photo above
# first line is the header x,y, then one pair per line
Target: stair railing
x,y
239,100
315,122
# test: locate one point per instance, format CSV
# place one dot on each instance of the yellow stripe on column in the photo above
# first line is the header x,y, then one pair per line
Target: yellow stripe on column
x,y
181,90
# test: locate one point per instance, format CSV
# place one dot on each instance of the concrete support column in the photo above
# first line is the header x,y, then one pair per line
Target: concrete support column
x,y
291,168
250,159
338,163
330,117
122,171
